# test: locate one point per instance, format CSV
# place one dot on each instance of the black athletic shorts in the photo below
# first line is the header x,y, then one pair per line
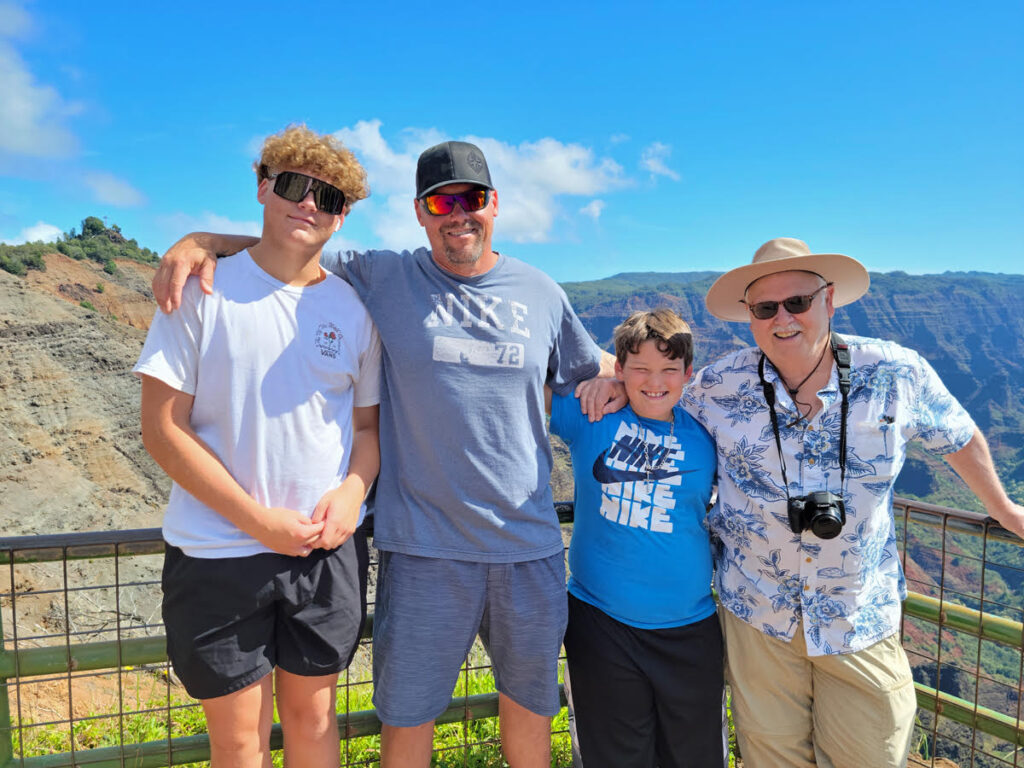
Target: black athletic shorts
x,y
230,621
646,698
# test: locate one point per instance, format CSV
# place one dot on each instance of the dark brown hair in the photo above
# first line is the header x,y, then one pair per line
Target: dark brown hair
x,y
665,327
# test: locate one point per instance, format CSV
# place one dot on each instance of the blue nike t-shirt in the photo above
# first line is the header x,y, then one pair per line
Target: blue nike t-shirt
x,y
639,551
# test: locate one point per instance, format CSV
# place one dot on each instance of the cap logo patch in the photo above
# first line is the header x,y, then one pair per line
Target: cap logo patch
x,y
475,161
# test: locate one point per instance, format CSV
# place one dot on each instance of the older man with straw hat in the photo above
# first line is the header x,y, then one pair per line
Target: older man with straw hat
x,y
811,431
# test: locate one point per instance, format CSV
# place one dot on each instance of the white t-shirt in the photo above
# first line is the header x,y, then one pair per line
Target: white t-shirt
x,y
275,371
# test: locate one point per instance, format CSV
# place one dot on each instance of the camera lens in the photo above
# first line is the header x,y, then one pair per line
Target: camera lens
x,y
826,525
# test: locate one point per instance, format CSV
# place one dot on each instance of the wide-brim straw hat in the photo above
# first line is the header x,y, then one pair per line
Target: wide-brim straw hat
x,y
725,297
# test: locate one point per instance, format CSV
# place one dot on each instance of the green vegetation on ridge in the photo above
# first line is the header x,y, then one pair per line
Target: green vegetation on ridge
x,y
96,242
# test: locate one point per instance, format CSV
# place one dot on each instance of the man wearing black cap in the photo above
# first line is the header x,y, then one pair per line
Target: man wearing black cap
x,y
463,512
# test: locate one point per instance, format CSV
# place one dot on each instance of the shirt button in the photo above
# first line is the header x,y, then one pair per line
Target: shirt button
x,y
806,587
810,461
808,559
810,427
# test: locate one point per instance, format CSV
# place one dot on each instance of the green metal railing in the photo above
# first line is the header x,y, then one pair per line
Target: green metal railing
x,y
61,656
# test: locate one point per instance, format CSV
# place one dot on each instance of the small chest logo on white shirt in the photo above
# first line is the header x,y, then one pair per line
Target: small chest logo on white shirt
x,y
328,340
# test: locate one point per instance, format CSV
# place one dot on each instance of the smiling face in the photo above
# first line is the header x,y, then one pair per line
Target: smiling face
x,y
793,343
295,224
461,242
654,382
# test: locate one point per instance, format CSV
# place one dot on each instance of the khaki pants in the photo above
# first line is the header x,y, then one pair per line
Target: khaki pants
x,y
853,710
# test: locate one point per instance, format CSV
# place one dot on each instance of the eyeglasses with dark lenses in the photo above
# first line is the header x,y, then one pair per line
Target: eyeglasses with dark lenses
x,y
795,305
295,186
442,205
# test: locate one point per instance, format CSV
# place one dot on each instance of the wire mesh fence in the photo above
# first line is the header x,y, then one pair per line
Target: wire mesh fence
x,y
962,634
84,678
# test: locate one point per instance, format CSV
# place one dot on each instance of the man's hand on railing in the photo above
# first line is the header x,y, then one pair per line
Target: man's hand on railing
x,y
1013,519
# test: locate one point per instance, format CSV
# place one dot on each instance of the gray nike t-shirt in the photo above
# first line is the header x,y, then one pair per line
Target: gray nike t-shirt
x,y
465,459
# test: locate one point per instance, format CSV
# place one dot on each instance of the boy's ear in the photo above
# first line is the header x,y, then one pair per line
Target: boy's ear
x,y
261,191
618,370
689,373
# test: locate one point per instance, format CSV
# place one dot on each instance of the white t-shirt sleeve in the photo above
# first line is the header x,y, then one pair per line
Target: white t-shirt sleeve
x,y
366,391
171,351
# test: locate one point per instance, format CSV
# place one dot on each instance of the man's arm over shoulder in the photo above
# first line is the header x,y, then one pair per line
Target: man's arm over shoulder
x,y
577,363
340,263
362,269
602,394
195,254
574,356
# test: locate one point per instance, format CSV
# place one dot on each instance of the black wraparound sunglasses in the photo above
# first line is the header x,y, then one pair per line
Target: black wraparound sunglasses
x,y
295,186
795,305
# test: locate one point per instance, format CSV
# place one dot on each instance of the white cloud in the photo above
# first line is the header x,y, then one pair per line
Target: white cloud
x,y
107,188
391,171
653,159
531,177
34,114
40,231
393,221
618,138
14,20
593,209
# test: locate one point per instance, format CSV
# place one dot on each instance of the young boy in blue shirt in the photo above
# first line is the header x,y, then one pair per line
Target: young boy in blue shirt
x,y
644,646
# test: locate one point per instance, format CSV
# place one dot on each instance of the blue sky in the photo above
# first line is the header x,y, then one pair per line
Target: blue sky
x,y
637,136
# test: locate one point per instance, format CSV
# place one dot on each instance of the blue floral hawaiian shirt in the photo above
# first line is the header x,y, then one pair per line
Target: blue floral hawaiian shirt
x,y
848,589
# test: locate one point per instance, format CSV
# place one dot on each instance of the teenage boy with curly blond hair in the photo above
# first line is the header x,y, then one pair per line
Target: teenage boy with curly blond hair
x,y
260,401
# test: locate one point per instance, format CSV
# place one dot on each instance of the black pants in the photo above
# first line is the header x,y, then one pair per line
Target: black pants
x,y
646,697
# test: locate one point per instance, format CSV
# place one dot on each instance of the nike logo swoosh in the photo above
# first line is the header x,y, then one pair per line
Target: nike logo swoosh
x,y
606,475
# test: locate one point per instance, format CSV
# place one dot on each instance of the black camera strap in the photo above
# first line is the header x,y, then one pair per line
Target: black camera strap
x,y
841,354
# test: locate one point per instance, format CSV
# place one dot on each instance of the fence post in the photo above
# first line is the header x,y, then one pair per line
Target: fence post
x,y
6,739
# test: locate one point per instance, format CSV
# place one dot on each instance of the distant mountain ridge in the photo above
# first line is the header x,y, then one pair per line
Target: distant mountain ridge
x,y
71,458
968,325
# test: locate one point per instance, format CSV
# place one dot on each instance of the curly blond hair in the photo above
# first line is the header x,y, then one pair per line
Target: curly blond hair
x,y
297,148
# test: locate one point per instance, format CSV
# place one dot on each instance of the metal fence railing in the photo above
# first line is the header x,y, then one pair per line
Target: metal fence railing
x,y
962,633
84,678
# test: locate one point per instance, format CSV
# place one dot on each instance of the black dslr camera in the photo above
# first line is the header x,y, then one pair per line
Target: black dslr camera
x,y
822,511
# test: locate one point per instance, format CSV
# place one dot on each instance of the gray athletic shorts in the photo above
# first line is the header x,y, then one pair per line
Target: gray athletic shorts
x,y
429,611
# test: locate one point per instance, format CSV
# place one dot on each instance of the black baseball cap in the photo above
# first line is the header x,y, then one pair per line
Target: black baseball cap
x,y
451,162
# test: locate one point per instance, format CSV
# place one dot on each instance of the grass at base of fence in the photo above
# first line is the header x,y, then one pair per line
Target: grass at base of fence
x,y
472,744
464,744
